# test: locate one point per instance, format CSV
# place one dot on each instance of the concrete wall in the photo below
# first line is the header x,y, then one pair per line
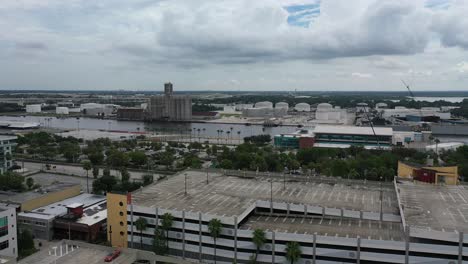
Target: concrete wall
x,y
11,236
52,197
450,174
117,219
404,171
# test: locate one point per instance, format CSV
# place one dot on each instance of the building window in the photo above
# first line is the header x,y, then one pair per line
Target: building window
x,y
4,226
121,213
4,245
121,203
121,223
121,233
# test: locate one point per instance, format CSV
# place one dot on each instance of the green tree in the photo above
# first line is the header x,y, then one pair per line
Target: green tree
x,y
141,225
106,172
96,157
293,251
259,239
87,166
25,243
166,223
30,183
95,172
167,158
214,227
138,158
159,242
104,184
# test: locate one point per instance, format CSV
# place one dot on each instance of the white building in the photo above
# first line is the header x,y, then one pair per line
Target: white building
x,y
326,113
362,108
401,111
34,108
7,144
8,234
265,109
62,110
94,109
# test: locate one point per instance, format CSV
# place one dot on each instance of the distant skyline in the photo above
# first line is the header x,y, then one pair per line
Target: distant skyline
x,y
234,45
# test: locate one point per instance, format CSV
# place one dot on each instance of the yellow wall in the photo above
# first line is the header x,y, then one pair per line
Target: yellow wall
x,y
117,220
404,171
449,173
52,197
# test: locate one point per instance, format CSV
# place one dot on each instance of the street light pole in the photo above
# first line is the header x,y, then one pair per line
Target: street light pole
x,y
207,181
381,200
271,189
185,183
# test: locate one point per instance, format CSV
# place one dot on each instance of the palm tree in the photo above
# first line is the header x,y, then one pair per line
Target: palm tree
x,y
215,226
437,141
166,224
259,239
228,134
141,225
293,251
87,166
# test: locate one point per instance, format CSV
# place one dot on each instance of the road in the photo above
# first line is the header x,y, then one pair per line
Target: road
x,y
77,170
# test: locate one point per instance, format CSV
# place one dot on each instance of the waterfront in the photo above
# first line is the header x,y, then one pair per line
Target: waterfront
x,y
198,129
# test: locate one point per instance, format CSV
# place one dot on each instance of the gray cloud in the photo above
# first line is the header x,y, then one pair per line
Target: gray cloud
x,y
38,46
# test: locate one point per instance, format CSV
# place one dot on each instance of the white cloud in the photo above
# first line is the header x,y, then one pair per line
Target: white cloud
x,y
178,38
462,67
361,75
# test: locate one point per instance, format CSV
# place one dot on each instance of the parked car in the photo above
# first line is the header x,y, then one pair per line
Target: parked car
x,y
111,256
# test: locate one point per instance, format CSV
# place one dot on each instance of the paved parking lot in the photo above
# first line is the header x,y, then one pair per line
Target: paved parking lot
x,y
431,207
89,255
327,226
229,196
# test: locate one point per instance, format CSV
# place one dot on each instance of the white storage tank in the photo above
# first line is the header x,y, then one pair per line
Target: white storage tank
x,y
35,108
381,106
61,110
324,107
265,104
281,105
302,107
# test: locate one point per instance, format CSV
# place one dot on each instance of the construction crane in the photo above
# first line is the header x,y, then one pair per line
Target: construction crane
x,y
412,97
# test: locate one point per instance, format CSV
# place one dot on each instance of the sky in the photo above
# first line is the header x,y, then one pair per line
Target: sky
x,y
221,45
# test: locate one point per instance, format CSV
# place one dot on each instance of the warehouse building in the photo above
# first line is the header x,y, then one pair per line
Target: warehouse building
x,y
346,136
169,106
80,217
337,137
35,108
130,113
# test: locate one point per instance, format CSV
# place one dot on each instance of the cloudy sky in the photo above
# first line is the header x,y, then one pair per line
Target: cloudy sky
x,y
276,45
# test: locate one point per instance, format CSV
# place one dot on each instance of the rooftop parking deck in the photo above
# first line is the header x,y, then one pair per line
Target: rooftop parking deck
x,y
433,207
327,226
231,196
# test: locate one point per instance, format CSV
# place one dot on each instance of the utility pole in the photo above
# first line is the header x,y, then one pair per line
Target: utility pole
x,y
207,181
